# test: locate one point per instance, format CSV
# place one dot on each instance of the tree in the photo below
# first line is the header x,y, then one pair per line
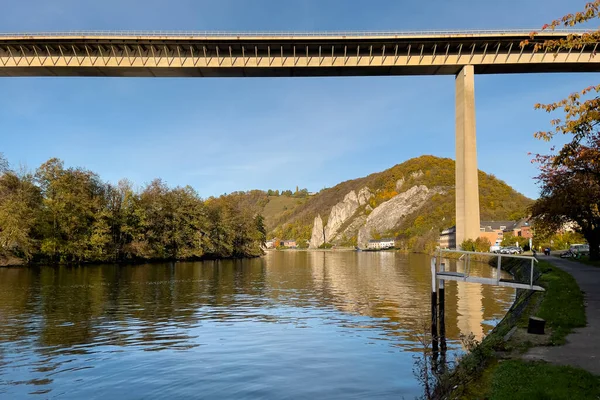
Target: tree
x,y
3,164
74,200
510,239
570,178
481,245
68,215
569,196
20,202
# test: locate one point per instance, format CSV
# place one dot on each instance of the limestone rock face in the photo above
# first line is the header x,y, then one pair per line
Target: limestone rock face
x,y
344,214
364,235
340,213
364,195
416,174
354,226
399,184
317,237
389,214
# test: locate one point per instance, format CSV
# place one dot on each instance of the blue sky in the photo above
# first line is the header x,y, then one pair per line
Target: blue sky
x,y
221,135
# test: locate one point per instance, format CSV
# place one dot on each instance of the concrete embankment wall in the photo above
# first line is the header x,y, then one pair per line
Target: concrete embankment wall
x,y
520,270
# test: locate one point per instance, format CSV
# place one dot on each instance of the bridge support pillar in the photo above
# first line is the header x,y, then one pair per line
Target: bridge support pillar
x,y
467,184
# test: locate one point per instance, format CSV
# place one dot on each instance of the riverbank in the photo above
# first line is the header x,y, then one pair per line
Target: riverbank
x,y
14,262
501,367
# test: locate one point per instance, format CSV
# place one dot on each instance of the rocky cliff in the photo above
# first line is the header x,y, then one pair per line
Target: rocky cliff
x,y
412,202
380,220
317,237
390,214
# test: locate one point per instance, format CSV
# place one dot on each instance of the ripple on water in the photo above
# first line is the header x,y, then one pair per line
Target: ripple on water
x,y
289,325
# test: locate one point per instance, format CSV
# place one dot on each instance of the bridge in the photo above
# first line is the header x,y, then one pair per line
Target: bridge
x,y
209,54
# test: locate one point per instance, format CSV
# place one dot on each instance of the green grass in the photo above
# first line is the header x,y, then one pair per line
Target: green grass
x,y
563,309
562,306
516,379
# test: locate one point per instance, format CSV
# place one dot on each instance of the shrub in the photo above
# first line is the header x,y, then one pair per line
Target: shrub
x,y
480,244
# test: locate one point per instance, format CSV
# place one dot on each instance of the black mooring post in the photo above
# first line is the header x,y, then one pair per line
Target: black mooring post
x,y
442,311
434,314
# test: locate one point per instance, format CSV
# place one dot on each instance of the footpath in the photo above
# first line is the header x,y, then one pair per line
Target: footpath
x,y
583,345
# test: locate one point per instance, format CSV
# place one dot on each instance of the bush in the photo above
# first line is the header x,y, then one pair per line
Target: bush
x,y
326,246
481,245
468,245
302,244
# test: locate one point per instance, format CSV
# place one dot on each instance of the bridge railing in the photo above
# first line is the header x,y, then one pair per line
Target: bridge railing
x,y
162,33
522,281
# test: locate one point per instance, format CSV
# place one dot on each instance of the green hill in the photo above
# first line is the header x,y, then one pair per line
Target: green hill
x,y
498,201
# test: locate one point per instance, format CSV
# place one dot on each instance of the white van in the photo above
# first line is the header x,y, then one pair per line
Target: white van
x,y
580,249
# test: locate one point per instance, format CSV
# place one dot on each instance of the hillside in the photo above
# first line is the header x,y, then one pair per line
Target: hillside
x,y
272,207
413,200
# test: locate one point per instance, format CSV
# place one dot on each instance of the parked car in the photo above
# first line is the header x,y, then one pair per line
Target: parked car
x,y
511,250
580,249
495,248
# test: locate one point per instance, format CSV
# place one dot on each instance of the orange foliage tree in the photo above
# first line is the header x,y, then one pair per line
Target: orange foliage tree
x,y
570,177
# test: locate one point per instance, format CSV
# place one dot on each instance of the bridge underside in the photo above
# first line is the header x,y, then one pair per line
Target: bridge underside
x,y
250,72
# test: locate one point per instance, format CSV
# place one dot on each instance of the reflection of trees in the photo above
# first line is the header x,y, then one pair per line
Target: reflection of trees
x,y
154,305
17,293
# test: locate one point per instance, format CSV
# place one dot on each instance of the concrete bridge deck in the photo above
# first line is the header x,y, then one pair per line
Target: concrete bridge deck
x,y
209,54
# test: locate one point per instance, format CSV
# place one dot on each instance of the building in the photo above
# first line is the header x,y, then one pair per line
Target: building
x,y
523,228
494,231
270,244
290,244
448,238
381,244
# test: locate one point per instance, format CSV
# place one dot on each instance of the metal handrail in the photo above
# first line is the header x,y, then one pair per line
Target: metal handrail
x,y
489,254
499,266
159,33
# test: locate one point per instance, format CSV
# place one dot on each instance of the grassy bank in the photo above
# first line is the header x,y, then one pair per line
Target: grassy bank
x,y
493,369
562,306
516,379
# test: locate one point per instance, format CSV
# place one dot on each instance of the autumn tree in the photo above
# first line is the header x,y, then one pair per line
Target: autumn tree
x,y
73,213
20,202
510,239
69,215
570,195
570,178
3,164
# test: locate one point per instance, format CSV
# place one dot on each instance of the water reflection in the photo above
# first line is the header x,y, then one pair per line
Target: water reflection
x,y
261,328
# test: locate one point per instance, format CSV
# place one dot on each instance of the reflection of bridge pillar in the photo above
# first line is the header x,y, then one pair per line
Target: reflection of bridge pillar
x,y
467,185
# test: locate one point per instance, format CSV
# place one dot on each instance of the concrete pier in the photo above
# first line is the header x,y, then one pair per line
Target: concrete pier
x,y
467,183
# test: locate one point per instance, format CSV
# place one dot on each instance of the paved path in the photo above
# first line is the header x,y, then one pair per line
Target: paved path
x,y
583,345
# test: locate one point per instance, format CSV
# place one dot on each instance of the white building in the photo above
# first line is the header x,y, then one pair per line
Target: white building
x,y
381,244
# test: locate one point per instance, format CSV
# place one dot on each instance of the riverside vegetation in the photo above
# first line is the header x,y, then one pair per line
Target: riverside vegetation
x,y
69,215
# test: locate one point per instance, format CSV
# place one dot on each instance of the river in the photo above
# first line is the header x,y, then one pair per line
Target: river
x,y
291,324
